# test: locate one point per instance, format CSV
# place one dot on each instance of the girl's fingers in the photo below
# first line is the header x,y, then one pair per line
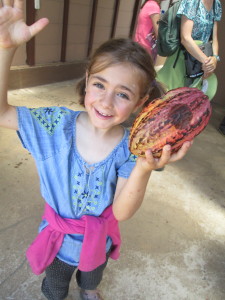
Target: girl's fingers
x,y
38,26
166,154
158,162
181,152
6,2
149,156
18,4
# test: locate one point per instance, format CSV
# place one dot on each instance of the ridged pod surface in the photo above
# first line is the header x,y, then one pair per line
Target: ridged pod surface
x,y
178,116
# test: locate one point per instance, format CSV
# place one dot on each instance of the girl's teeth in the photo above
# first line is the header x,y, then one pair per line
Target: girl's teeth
x,y
105,115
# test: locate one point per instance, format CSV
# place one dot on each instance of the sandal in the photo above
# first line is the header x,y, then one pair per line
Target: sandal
x,y
90,295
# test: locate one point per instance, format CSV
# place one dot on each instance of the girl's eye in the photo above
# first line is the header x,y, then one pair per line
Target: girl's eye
x,y
99,85
124,96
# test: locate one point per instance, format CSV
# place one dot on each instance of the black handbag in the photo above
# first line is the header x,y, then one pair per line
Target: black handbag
x,y
193,66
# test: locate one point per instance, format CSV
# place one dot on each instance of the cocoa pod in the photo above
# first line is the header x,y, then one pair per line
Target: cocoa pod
x,y
176,117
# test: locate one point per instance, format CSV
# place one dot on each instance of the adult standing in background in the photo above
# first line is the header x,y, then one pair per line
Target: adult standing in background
x,y
199,24
199,21
147,25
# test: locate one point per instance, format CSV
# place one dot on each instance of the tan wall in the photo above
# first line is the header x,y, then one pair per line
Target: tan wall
x,y
48,42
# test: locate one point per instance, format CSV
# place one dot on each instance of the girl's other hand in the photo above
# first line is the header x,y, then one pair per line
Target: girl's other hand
x,y
13,29
150,163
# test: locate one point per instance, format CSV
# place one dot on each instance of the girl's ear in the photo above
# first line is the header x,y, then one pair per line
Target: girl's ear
x,y
141,102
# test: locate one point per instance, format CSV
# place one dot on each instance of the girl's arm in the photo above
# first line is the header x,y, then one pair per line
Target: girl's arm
x,y
130,192
13,32
8,115
155,19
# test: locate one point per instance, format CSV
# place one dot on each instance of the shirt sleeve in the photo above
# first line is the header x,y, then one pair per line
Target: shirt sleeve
x,y
188,8
44,131
218,11
152,8
125,159
126,169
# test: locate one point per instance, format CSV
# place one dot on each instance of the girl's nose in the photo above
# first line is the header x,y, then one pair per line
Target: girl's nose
x,y
108,99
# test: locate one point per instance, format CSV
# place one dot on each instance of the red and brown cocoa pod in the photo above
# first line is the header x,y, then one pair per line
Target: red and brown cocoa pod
x,y
176,117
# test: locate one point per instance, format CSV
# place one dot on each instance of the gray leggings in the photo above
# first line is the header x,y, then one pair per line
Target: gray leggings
x,y
55,285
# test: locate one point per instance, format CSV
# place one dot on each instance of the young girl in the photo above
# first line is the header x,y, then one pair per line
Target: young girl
x,y
89,179
147,26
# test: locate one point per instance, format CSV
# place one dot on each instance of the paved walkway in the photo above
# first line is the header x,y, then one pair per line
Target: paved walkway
x,y
173,248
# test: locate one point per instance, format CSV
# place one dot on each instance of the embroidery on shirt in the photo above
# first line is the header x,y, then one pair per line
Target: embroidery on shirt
x,y
86,198
132,158
48,117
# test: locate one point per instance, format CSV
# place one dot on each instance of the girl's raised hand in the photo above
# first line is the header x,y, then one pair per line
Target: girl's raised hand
x,y
13,29
150,163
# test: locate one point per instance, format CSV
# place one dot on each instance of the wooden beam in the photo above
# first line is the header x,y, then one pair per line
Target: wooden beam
x,y
115,18
137,6
45,74
92,26
30,46
65,30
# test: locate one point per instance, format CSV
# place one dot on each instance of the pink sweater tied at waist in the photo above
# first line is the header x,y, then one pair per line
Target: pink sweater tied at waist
x,y
45,247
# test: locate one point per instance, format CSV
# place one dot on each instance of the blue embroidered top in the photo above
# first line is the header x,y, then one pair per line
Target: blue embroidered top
x,y
69,185
202,18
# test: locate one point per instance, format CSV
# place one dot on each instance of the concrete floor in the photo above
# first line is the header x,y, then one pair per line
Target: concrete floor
x,y
173,248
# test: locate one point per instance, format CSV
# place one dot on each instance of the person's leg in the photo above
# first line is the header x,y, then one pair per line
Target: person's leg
x,y
55,285
88,282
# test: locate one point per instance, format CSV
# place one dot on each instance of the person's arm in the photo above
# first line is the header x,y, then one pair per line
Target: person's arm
x,y
215,45
130,192
155,19
208,63
13,32
188,42
210,66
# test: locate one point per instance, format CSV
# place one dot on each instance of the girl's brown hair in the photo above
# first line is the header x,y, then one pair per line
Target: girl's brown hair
x,y
116,51
157,1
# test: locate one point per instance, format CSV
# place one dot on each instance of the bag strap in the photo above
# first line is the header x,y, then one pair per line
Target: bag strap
x,y
170,4
176,59
182,47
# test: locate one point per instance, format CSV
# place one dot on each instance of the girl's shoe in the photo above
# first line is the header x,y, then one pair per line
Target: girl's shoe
x,y
90,295
160,169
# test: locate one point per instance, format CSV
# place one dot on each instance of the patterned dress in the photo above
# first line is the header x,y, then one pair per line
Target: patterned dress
x,y
71,186
202,18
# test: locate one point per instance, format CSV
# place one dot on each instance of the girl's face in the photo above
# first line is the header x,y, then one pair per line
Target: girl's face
x,y
112,95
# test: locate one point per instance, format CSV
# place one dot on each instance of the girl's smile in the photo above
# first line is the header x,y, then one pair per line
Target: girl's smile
x,y
102,115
